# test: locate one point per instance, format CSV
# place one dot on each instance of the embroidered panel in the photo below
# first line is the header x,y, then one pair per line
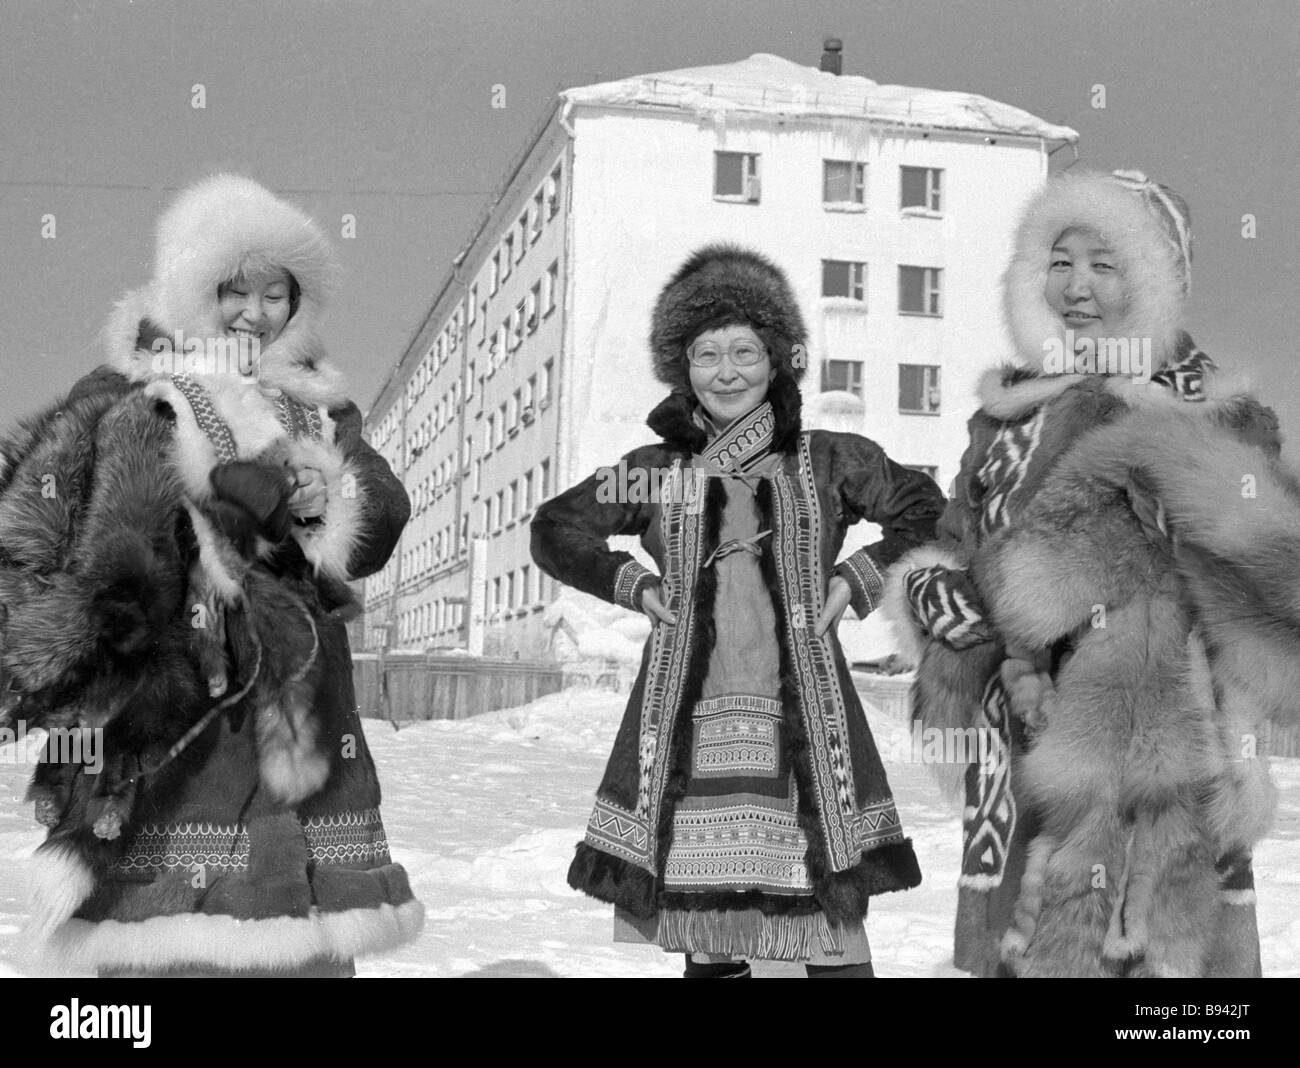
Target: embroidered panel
x,y
869,578
160,847
682,531
354,838
626,579
736,735
351,838
205,414
1004,468
989,821
300,420
877,824
745,443
740,842
614,829
799,570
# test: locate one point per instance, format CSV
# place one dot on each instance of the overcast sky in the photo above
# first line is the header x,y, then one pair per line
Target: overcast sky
x,y
383,110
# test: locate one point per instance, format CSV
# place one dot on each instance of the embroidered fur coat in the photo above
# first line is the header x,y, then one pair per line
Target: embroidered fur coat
x,y
1137,539
234,823
816,485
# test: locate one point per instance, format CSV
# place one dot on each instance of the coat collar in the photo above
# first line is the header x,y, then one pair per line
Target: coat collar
x,y
1008,392
672,419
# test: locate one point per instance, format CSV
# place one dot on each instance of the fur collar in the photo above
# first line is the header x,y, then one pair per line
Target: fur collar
x,y
671,418
1153,278
1009,392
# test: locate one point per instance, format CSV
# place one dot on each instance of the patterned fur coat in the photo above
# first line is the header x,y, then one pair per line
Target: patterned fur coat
x,y
234,823
1139,539
816,485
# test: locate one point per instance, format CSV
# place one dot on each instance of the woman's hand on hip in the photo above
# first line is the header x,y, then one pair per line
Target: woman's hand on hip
x,y
654,608
308,500
838,596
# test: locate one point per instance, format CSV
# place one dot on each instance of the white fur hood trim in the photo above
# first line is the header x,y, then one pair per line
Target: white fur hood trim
x,y
222,227
1148,260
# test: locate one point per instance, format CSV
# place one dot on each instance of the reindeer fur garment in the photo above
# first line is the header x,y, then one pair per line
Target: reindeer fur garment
x,y
1178,648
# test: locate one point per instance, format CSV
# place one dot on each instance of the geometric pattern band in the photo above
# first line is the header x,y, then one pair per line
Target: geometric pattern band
x,y
352,838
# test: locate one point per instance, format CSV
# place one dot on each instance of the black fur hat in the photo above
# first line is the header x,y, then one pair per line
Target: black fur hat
x,y
723,284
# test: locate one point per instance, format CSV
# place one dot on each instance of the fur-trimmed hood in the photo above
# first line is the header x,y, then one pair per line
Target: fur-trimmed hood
x,y
224,226
1132,223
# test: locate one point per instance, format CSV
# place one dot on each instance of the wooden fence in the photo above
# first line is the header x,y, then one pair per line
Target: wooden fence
x,y
437,686
433,686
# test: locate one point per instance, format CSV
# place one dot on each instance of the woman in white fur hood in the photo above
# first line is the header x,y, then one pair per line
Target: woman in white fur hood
x,y
1108,602
234,827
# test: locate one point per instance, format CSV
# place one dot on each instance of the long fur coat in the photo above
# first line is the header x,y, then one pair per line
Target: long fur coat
x,y
1138,540
148,596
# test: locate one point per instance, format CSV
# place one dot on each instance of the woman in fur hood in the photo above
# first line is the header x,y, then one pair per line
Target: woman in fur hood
x,y
1112,601
184,592
744,812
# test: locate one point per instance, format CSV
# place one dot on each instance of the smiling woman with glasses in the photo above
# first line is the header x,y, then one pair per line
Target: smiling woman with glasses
x,y
744,813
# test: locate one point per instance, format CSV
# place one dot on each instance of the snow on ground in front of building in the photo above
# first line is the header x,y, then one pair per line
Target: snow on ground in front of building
x,y
484,813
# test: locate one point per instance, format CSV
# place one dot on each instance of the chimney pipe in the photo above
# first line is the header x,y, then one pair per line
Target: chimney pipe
x,y
832,60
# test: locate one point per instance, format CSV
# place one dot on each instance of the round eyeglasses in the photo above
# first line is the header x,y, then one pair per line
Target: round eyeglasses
x,y
742,354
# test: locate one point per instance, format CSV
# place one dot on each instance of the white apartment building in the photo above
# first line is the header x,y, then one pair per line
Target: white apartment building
x,y
890,208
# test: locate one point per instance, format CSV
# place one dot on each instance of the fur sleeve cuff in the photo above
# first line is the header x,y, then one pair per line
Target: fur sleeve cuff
x,y
864,577
629,582
897,611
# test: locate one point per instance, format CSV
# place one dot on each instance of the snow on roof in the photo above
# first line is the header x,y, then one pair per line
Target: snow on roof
x,y
768,84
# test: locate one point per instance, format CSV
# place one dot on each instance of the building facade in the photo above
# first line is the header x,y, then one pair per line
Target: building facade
x,y
890,208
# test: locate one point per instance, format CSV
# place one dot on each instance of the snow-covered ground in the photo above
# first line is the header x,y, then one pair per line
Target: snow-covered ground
x,y
485,812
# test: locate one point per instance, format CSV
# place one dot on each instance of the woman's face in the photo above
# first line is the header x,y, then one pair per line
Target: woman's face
x,y
255,308
730,389
1085,286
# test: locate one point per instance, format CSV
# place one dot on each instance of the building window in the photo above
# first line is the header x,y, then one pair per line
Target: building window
x,y
844,182
544,481
494,277
918,388
507,256
472,306
544,384
496,595
534,302
553,192
512,412
526,505
482,322
735,176
919,290
843,278
538,214
512,501
502,424
843,375
552,283
921,188
523,235
518,321
523,585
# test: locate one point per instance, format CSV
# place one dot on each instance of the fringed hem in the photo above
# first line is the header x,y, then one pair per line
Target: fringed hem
x,y
749,935
843,896
228,943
